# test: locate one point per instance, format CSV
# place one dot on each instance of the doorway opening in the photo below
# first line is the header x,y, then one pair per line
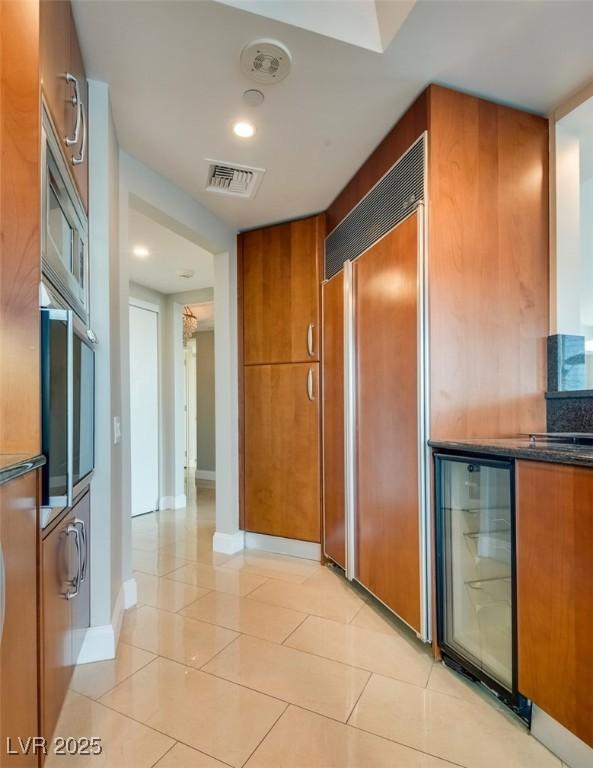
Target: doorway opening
x,y
172,419
199,407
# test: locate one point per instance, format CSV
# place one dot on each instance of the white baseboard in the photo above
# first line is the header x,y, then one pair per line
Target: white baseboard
x,y
172,502
205,474
281,546
228,543
559,740
100,642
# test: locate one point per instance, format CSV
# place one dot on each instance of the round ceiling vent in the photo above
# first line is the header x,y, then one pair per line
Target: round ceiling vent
x,y
265,61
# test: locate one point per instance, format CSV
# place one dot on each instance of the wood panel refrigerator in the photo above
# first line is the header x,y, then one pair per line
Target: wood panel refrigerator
x,y
375,420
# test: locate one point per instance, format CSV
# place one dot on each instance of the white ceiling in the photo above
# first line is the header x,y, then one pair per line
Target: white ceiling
x,y
370,24
168,254
176,86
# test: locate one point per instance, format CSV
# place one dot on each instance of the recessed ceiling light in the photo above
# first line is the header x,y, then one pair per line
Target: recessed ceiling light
x,y
140,251
244,130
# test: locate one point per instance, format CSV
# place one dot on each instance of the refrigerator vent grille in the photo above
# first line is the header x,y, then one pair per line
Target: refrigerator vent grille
x,y
388,202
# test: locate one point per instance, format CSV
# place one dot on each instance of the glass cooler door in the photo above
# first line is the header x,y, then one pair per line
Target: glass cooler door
x,y
475,539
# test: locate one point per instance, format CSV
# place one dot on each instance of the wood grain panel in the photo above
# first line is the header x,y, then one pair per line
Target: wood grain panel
x,y
282,461
54,48
397,141
333,419
386,300
79,172
18,649
19,228
281,275
555,591
58,566
488,267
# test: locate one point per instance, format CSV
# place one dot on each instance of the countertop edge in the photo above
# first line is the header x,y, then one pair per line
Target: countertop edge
x,y
21,467
539,453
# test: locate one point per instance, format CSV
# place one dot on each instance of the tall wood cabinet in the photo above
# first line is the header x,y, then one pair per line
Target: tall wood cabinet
x,y
555,591
449,318
18,618
279,327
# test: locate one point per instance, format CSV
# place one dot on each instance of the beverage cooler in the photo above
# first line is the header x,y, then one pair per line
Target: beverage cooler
x,y
476,574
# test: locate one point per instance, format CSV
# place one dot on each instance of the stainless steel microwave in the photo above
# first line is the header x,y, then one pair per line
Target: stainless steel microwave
x,y
64,235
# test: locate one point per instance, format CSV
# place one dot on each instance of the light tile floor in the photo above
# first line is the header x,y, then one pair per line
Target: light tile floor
x,y
266,661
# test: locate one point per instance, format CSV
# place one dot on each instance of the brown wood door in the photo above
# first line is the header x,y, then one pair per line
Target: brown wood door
x,y
282,463
18,641
386,301
555,591
80,171
58,567
334,524
54,45
59,54
81,604
281,276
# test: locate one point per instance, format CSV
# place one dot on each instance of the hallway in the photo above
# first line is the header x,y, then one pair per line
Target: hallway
x,y
272,662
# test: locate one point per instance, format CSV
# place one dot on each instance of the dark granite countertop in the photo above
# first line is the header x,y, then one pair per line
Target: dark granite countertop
x,y
16,464
520,448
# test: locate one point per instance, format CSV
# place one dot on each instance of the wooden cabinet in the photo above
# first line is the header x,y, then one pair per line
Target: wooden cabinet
x,y
281,276
279,387
452,350
60,54
64,606
282,467
334,537
18,637
387,408
555,591
81,605
58,569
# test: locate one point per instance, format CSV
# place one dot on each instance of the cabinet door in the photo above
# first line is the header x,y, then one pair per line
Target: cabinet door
x,y
555,591
81,604
18,637
59,54
59,567
80,171
333,420
54,43
281,275
386,302
282,468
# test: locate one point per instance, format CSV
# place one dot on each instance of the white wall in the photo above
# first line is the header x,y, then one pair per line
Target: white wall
x,y
109,488
568,275
163,201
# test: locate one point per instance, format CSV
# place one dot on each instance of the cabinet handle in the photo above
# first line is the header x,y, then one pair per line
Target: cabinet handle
x,y
76,102
310,349
310,394
85,549
79,159
75,582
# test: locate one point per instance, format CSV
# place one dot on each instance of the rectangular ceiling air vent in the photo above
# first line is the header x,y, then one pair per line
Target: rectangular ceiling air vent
x,y
234,180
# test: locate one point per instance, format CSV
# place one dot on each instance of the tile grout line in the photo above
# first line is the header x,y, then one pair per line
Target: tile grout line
x,y
162,757
364,687
291,633
266,734
127,677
